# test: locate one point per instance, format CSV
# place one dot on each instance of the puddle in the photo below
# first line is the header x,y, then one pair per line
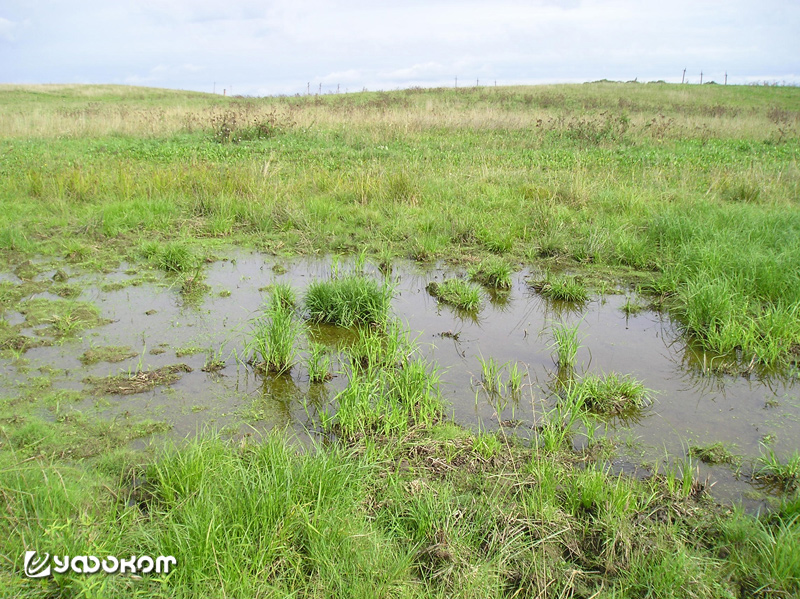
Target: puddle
x,y
690,407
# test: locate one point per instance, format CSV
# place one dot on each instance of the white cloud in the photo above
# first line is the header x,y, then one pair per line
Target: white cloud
x,y
8,29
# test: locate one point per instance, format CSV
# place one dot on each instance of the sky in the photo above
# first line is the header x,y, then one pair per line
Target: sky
x,y
272,47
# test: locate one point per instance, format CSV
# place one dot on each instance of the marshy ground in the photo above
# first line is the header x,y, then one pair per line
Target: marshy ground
x,y
493,342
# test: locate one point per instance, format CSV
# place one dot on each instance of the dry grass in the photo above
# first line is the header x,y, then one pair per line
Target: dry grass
x,y
589,110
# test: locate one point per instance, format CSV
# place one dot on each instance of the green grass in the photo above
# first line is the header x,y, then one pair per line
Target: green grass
x,y
111,353
612,393
457,293
492,272
562,288
689,192
785,475
715,453
348,300
687,186
318,363
273,342
566,344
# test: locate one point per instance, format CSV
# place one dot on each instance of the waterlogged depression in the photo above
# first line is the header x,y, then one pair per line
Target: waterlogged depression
x,y
153,324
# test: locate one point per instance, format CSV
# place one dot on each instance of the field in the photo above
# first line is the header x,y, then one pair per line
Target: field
x,y
305,226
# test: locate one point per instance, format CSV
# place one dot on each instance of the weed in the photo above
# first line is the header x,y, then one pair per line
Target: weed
x,y
284,294
138,381
631,308
492,376
106,354
175,257
514,379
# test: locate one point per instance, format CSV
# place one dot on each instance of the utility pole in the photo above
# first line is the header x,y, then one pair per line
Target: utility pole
x,y
683,77
477,82
726,77
701,77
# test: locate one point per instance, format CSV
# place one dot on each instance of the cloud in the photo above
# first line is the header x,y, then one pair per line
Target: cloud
x,y
8,30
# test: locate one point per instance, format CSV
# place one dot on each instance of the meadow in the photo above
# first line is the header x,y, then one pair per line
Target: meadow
x,y
686,194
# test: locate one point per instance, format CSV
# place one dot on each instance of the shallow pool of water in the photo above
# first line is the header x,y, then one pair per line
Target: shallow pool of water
x,y
690,404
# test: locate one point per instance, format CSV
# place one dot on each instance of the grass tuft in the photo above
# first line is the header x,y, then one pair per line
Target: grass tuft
x,y
494,273
272,344
457,293
561,287
348,300
612,394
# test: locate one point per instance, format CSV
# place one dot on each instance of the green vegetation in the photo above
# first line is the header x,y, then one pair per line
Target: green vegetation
x,y
136,382
773,471
272,346
695,188
687,193
348,300
318,363
565,341
492,272
612,393
457,293
716,453
562,288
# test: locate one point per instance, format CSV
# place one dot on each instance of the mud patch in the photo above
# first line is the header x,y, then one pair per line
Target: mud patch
x,y
137,383
110,353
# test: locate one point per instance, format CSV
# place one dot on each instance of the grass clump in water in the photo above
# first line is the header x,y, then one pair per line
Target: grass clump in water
x,y
319,363
272,346
561,287
173,257
612,394
456,292
716,453
65,317
566,344
784,475
348,300
494,273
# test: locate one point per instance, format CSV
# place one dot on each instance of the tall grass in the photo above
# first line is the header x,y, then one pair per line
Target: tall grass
x,y
272,345
566,344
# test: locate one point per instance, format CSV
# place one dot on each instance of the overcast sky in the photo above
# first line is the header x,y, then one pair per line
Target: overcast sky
x,y
270,47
